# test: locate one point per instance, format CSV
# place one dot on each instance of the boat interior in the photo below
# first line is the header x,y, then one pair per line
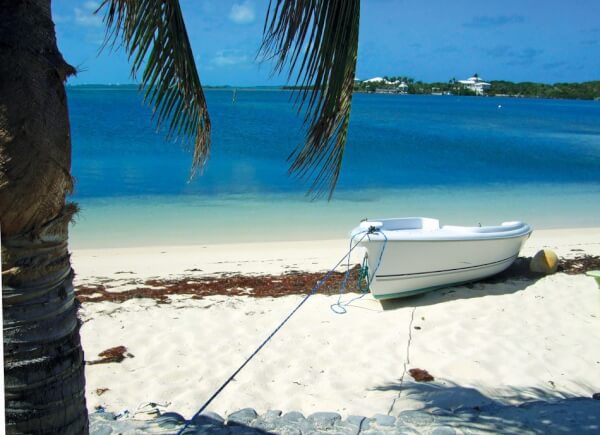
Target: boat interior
x,y
422,225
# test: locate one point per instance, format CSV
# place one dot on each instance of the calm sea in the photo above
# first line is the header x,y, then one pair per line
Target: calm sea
x,y
464,160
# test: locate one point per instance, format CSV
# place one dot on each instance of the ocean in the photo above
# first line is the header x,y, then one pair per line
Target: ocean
x,y
464,160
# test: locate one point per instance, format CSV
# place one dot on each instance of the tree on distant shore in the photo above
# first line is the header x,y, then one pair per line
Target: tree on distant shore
x,y
43,358
579,91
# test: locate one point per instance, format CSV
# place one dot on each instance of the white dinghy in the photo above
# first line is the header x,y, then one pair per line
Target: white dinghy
x,y
407,256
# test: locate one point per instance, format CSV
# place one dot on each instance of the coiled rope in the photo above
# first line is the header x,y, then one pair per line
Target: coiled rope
x,y
317,286
339,307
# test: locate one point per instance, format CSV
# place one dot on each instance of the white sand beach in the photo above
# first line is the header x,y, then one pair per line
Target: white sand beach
x,y
511,341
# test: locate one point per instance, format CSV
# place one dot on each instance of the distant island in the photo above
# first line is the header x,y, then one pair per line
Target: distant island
x,y
475,86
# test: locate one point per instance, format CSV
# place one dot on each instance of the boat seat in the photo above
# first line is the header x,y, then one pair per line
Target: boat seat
x,y
430,224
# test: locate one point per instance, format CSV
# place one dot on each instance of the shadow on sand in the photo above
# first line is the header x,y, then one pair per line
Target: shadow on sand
x,y
516,278
522,410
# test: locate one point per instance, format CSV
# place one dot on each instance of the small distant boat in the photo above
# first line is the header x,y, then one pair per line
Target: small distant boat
x,y
408,256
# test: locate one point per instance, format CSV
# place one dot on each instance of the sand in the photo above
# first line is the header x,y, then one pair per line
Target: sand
x,y
509,342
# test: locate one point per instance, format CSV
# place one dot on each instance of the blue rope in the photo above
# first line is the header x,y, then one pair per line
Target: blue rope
x,y
338,307
239,369
363,276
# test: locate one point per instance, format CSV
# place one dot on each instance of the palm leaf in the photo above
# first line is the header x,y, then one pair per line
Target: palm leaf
x,y
153,34
318,41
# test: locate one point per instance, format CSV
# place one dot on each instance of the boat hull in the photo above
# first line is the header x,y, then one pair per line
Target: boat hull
x,y
409,267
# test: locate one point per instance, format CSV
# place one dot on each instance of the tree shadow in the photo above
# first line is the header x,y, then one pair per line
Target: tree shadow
x,y
514,279
521,410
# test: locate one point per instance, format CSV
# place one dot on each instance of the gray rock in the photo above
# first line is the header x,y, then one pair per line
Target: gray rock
x,y
575,415
289,429
212,415
384,420
122,426
306,427
324,420
345,428
355,420
190,430
351,426
367,424
203,421
209,423
466,415
242,417
372,425
169,420
415,418
294,416
405,430
452,421
265,425
242,430
100,429
440,411
443,430
272,414
101,416
212,431
271,421
373,432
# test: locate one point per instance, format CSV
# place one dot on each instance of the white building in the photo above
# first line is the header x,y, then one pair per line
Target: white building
x,y
377,80
476,84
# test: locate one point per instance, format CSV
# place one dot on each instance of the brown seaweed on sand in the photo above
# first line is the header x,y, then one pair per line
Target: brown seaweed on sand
x,y
420,375
259,286
290,283
114,354
579,264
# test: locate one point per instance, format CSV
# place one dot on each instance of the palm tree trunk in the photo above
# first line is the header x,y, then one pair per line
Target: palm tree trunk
x,y
43,359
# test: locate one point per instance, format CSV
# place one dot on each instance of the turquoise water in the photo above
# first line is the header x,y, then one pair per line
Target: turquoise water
x,y
463,160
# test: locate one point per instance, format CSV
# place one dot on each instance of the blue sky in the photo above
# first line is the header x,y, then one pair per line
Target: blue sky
x,y
526,40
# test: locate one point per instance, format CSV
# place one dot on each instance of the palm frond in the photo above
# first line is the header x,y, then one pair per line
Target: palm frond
x,y
153,34
318,41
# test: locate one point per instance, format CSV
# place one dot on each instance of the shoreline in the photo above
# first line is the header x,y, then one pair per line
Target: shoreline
x,y
290,88
269,257
198,220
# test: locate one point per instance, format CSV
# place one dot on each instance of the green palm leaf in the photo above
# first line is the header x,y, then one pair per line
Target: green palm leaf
x,y
318,41
154,34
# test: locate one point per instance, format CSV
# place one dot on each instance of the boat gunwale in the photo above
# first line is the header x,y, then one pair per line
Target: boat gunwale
x,y
377,237
441,234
